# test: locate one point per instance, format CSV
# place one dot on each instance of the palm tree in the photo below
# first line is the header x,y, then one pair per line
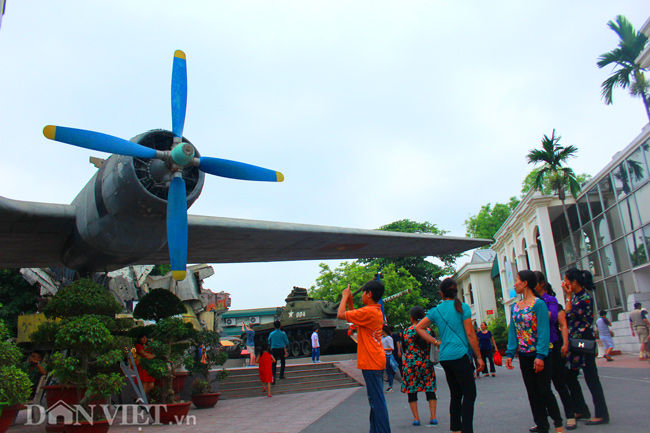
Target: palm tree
x,y
553,173
627,73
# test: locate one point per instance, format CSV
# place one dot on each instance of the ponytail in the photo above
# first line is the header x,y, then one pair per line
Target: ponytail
x,y
450,291
583,278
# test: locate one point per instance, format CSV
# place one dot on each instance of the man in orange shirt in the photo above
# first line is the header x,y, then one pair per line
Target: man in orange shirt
x,y
370,352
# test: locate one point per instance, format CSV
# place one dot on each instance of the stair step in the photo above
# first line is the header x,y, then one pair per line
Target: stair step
x,y
245,382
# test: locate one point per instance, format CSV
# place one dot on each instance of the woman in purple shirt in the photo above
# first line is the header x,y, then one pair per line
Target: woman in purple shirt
x,y
559,347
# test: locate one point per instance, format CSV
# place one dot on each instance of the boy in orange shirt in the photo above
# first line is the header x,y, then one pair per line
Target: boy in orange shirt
x,y
371,359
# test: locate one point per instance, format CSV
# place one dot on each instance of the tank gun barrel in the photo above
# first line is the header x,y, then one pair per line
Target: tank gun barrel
x,y
335,306
397,295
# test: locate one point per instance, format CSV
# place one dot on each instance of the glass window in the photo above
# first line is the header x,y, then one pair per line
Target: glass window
x,y
568,251
573,217
614,222
587,241
646,235
626,281
608,261
594,265
636,167
561,258
630,214
602,232
645,150
606,191
636,247
622,183
601,297
622,255
643,200
594,201
583,210
613,294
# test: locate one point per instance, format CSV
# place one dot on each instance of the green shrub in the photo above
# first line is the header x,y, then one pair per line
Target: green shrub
x,y
82,297
158,304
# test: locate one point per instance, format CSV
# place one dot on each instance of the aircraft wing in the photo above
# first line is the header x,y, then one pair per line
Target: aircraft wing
x,y
32,235
229,240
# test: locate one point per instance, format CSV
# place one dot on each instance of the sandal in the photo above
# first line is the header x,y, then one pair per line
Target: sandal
x,y
416,422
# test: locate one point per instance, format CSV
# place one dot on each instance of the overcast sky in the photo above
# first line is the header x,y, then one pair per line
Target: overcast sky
x,y
374,111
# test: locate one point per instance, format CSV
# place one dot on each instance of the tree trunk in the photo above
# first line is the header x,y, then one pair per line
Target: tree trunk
x,y
573,244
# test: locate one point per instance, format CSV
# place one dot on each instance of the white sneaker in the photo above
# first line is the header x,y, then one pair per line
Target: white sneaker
x,y
389,390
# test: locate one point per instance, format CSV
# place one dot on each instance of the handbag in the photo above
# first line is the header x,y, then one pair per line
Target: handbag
x,y
578,345
498,361
434,354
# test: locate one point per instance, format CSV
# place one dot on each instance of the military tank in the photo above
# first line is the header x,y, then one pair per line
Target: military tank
x,y
300,316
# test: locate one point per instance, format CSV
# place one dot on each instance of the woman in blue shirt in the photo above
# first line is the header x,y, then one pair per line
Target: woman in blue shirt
x,y
454,320
529,335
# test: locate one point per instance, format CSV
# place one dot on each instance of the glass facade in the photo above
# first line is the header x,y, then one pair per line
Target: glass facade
x,y
610,226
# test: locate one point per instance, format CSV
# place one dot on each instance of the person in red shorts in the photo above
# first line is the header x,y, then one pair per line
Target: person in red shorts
x,y
371,359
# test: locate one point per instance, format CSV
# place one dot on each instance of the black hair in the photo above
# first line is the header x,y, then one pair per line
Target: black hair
x,y
541,279
386,329
417,313
637,305
450,291
583,278
603,313
376,289
277,324
530,279
140,335
316,327
390,328
483,323
264,348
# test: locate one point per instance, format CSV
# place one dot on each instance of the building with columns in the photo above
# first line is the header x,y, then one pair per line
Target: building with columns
x,y
475,285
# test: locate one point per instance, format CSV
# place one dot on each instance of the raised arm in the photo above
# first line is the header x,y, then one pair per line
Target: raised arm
x,y
421,329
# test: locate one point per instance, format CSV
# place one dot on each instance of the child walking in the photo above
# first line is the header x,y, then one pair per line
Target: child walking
x,y
265,360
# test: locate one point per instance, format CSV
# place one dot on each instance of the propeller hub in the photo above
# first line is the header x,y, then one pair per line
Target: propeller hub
x,y
182,154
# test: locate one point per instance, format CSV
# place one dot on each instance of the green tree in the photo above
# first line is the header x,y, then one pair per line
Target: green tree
x,y
627,72
331,283
487,222
553,156
427,273
547,188
16,296
158,304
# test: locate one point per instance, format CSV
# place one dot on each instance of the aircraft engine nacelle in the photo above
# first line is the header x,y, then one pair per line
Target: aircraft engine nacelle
x,y
121,212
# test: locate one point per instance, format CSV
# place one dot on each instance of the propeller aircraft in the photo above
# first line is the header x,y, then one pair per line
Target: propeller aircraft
x,y
137,202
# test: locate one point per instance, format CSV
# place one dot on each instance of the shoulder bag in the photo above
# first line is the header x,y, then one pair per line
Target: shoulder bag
x,y
579,345
434,354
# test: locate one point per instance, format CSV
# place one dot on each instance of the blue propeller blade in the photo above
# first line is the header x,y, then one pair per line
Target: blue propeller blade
x,y
97,141
179,93
177,227
238,170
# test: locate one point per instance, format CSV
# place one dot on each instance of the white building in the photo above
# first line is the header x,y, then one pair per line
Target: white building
x,y
475,286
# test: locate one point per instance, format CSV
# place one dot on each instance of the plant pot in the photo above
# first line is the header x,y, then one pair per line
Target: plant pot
x,y
8,416
67,394
205,401
171,413
178,383
101,426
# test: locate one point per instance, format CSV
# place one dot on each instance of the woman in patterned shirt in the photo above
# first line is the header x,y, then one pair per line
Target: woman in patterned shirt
x,y
580,318
418,370
529,335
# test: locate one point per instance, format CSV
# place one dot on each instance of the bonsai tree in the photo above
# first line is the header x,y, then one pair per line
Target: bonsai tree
x,y
210,354
158,304
170,340
85,313
15,386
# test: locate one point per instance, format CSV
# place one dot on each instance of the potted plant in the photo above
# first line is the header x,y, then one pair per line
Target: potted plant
x,y
210,354
87,375
156,305
15,385
170,340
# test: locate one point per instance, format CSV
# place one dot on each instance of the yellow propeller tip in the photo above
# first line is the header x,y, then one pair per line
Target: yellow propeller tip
x,y
180,54
280,176
179,275
49,132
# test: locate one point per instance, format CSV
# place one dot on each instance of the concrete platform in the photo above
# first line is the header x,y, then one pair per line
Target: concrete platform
x,y
501,406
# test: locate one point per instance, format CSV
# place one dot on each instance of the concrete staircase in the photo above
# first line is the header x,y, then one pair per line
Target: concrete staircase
x,y
307,377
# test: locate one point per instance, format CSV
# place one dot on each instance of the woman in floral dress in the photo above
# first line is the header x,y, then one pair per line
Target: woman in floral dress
x,y
580,318
529,336
418,372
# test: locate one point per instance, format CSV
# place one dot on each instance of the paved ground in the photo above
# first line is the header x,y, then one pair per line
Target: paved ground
x,y
501,407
